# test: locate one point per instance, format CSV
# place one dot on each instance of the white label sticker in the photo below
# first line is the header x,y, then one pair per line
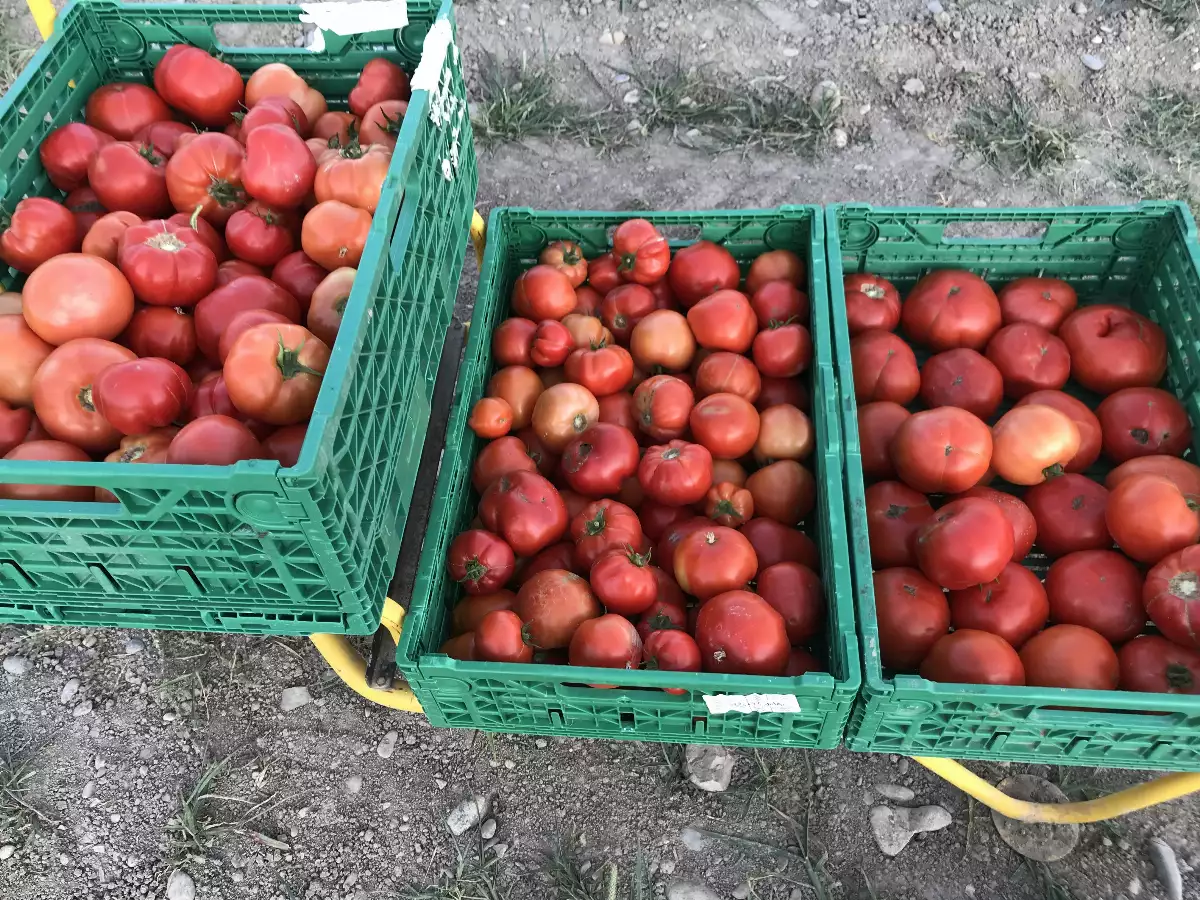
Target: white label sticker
x,y
720,704
356,17
433,54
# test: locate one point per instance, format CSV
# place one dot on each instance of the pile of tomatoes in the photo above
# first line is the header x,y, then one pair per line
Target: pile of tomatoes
x,y
181,302
1120,551
644,476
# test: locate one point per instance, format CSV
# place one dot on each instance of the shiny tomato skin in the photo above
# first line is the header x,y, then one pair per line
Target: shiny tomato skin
x,y
285,444
965,543
597,462
726,424
677,473
1018,513
1185,475
206,174
203,88
784,433
1150,519
480,561
543,292
885,368
672,537
607,642
1044,302
380,79
1143,422
738,632
104,238
1070,656
300,277
1172,597
62,393
895,513
964,378
552,344
728,373
561,412
795,591
260,235
973,657
662,342
670,650
142,394
878,423
871,302
243,322
950,308
498,638
123,109
602,370
334,234
775,265
353,175
37,230
624,307
657,518
801,661
775,543
782,350
662,406
942,451
46,451
781,302
1155,665
500,457
166,264
1085,420
131,178
1029,358
512,342
526,510
279,169
67,152
713,560
912,613
784,491
601,526
1013,606
1098,589
491,417
77,296
1070,513
164,136
568,258
214,441
1113,347
1033,443
543,459
603,275
85,208
702,269
624,581
214,313
724,321
553,604
642,254
460,647
233,269
273,372
277,110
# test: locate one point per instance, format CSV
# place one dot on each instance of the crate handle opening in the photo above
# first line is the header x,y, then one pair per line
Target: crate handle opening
x,y
233,38
1128,718
995,232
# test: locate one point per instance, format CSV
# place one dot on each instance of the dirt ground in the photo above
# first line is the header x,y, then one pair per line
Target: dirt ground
x,y
133,756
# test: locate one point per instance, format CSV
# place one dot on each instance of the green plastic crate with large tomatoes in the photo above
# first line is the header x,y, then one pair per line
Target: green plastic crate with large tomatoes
x,y
586,636
1018,389
279,505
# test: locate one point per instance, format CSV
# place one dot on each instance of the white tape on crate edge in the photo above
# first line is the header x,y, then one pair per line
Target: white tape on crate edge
x,y
348,18
433,54
720,704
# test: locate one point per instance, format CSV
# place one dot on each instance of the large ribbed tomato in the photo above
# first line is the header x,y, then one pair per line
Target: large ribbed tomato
x,y
353,174
206,175
62,393
273,372
950,308
166,264
641,252
1113,347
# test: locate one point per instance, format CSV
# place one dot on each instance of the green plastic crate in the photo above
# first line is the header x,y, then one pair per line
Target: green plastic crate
x,y
254,547
544,699
1144,257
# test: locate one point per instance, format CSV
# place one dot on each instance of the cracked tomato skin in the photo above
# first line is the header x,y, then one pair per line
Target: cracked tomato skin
x,y
1158,666
950,309
273,373
1143,422
740,633
1113,347
526,510
1172,597
1045,302
871,302
642,254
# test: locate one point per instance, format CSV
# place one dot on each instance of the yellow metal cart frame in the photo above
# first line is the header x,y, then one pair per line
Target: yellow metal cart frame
x,y
394,693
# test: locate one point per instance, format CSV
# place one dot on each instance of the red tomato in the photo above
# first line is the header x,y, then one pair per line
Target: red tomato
x,y
567,257
553,604
965,543
123,109
603,274
779,302
552,344
131,178
85,208
775,543
951,308
801,661
895,512
480,561
259,235
491,417
775,391
273,372
277,110
215,312
624,581
502,456
963,378
300,277
46,451
973,657
729,505
499,638
233,269
200,86
775,265
662,341
62,393
624,307
617,409
796,594
676,473
885,368
912,613
1014,606
1149,518
104,238
15,424
728,373
1033,443
1143,421
545,461
164,137
214,441
556,556
526,510
784,491
285,444
512,342
381,123
166,264
657,517
1070,514
1185,475
602,526
327,301
37,230
162,331
561,412
1113,347
1029,358
77,296
1085,420
142,394
1070,656
726,424
701,269
381,79
1099,589
1044,302
279,169
1172,597
1020,517
724,321
353,175
584,330
461,647
740,633
669,543
641,252
782,350
784,433
713,560
602,370
543,292
67,152
243,322
608,642
871,302
277,79
206,174
1155,665
588,299
670,650
942,451
877,425
597,462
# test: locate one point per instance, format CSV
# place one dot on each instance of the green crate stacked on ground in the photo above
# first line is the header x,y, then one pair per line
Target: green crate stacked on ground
x,y
545,699
254,547
1143,257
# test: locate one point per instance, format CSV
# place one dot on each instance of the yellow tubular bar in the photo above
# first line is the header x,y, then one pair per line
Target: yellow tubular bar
x,y
43,16
1141,796
478,236
352,668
